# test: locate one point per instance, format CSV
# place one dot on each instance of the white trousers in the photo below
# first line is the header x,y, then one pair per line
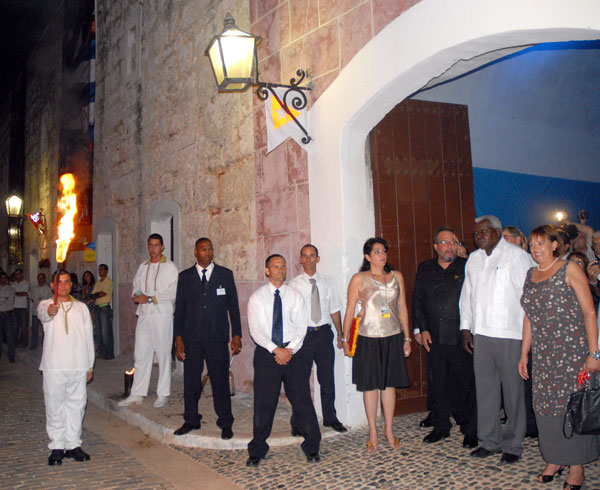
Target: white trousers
x,y
65,395
153,334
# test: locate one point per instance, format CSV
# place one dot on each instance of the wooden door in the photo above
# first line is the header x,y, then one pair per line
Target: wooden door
x,y
422,179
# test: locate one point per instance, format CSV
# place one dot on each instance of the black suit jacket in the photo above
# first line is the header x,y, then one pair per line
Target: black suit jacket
x,y
200,313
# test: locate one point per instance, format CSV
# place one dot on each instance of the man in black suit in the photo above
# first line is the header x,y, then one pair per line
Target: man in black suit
x,y
206,294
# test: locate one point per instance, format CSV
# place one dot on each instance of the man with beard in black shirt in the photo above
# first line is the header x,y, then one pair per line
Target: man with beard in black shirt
x,y
436,314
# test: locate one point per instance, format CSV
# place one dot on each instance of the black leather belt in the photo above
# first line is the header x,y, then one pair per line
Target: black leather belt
x,y
314,329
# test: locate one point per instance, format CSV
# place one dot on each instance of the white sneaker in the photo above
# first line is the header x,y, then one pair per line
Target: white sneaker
x,y
131,400
161,401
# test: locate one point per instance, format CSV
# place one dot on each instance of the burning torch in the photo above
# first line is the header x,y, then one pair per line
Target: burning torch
x,y
67,204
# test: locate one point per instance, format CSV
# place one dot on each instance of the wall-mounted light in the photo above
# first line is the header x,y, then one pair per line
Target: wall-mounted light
x,y
234,62
14,205
561,216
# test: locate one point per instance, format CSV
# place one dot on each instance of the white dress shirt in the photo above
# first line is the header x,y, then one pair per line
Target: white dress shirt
x,y
209,270
490,300
38,293
328,296
21,287
74,350
260,317
7,298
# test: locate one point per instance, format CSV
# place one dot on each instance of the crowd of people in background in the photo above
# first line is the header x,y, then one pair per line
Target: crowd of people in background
x,y
19,302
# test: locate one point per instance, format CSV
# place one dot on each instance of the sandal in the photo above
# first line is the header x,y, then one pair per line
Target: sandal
x,y
396,445
548,478
371,448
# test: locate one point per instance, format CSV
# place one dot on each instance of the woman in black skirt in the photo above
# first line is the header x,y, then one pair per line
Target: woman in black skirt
x,y
383,342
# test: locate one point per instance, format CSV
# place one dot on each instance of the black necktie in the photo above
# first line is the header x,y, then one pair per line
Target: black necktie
x,y
277,333
204,277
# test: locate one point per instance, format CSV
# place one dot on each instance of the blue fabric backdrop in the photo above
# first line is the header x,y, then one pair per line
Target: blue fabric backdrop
x,y
527,201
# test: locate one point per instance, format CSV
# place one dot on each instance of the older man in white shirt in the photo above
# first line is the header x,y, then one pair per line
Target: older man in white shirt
x,y
492,321
277,319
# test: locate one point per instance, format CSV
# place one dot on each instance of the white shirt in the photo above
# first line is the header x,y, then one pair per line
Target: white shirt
x,y
74,350
260,317
7,298
157,280
490,300
38,294
209,270
21,287
328,296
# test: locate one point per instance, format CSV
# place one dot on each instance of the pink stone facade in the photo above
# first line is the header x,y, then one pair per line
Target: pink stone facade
x,y
321,36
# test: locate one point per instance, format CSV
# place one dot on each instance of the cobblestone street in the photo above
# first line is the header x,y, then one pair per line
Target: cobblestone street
x,y
124,458
24,452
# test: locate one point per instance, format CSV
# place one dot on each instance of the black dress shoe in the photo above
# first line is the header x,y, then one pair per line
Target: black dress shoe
x,y
313,458
11,360
185,428
337,426
434,436
56,457
509,458
226,434
77,454
426,422
253,461
483,453
470,442
295,432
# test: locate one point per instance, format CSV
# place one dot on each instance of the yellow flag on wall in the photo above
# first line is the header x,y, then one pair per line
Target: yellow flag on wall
x,y
280,125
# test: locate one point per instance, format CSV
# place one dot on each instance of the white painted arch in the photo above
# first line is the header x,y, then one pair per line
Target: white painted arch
x,y
419,45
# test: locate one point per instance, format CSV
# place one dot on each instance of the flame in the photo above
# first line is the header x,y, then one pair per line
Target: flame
x,y
130,372
68,205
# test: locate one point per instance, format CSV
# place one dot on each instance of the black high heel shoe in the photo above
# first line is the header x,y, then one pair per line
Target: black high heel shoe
x,y
549,478
570,486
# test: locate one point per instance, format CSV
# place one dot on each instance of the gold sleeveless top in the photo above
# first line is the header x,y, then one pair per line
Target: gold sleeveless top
x,y
373,295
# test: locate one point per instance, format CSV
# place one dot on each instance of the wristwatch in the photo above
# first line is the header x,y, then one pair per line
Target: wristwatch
x,y
150,299
595,355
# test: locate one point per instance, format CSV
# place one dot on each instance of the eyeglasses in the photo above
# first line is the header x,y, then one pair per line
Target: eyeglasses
x,y
448,242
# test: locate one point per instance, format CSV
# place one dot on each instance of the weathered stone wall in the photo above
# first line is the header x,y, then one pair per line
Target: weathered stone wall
x,y
5,128
41,142
163,132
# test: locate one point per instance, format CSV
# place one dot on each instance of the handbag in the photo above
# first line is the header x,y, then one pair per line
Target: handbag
x,y
353,336
583,411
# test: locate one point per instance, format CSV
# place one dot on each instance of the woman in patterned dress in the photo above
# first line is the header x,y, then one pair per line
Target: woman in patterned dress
x,y
379,364
560,329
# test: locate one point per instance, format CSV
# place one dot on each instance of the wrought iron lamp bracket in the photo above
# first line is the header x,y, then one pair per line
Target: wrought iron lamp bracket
x,y
294,97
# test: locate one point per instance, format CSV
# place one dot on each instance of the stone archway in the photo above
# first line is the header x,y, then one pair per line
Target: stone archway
x,y
424,42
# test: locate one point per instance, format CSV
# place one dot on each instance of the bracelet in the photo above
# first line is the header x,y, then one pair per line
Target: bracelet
x,y
595,355
407,339
344,340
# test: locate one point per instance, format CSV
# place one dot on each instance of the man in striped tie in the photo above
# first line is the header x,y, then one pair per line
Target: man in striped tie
x,y
323,308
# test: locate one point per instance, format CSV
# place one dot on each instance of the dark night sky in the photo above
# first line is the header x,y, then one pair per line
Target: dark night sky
x,y
22,22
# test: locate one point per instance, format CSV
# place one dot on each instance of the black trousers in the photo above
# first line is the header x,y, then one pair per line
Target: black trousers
x,y
268,376
449,361
22,326
318,347
7,325
216,355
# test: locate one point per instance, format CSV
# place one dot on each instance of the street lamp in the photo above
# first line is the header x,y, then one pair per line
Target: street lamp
x,y
234,62
14,205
